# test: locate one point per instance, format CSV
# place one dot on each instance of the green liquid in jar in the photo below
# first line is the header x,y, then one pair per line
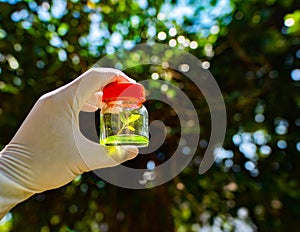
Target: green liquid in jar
x,y
125,139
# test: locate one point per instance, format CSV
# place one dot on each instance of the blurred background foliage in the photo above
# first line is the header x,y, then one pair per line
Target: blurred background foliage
x,y
252,48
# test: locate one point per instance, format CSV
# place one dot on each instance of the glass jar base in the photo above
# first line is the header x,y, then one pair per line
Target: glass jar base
x,y
125,139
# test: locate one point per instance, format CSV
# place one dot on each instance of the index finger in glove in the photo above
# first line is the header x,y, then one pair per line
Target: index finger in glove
x,y
93,81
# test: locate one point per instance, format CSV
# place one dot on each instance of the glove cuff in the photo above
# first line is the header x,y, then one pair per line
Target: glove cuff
x,y
11,194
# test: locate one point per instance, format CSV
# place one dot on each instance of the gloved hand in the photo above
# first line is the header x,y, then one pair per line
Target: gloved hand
x,y
48,150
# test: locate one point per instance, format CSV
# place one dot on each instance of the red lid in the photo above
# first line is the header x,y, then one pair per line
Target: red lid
x,y
123,91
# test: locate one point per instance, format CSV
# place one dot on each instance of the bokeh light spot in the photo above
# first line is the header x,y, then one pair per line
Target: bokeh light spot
x,y
184,67
2,34
289,22
161,16
150,165
12,61
259,118
172,42
155,76
186,150
172,31
298,146
205,64
265,150
161,35
249,165
214,29
236,139
181,39
282,144
295,74
193,45
180,186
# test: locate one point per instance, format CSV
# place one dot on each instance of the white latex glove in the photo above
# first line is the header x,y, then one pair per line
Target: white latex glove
x,y
48,150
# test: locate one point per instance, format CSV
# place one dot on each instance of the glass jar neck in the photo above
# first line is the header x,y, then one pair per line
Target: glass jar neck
x,y
130,103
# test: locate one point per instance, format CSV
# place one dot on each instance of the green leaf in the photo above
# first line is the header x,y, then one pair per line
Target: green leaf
x,y
122,118
131,128
133,118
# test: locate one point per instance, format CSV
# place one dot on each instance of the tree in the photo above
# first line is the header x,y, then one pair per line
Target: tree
x,y
251,48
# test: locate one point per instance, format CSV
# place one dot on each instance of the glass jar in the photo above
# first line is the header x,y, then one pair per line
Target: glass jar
x,y
124,118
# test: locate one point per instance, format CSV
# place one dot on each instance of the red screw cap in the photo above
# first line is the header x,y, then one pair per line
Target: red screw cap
x,y
118,91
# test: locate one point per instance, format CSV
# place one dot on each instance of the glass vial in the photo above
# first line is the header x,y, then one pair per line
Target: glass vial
x,y
124,118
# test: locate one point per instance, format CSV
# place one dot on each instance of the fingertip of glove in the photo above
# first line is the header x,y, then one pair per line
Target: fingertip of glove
x,y
132,151
120,76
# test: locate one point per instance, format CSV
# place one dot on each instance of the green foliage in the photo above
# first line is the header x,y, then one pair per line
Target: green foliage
x,y
127,121
252,49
